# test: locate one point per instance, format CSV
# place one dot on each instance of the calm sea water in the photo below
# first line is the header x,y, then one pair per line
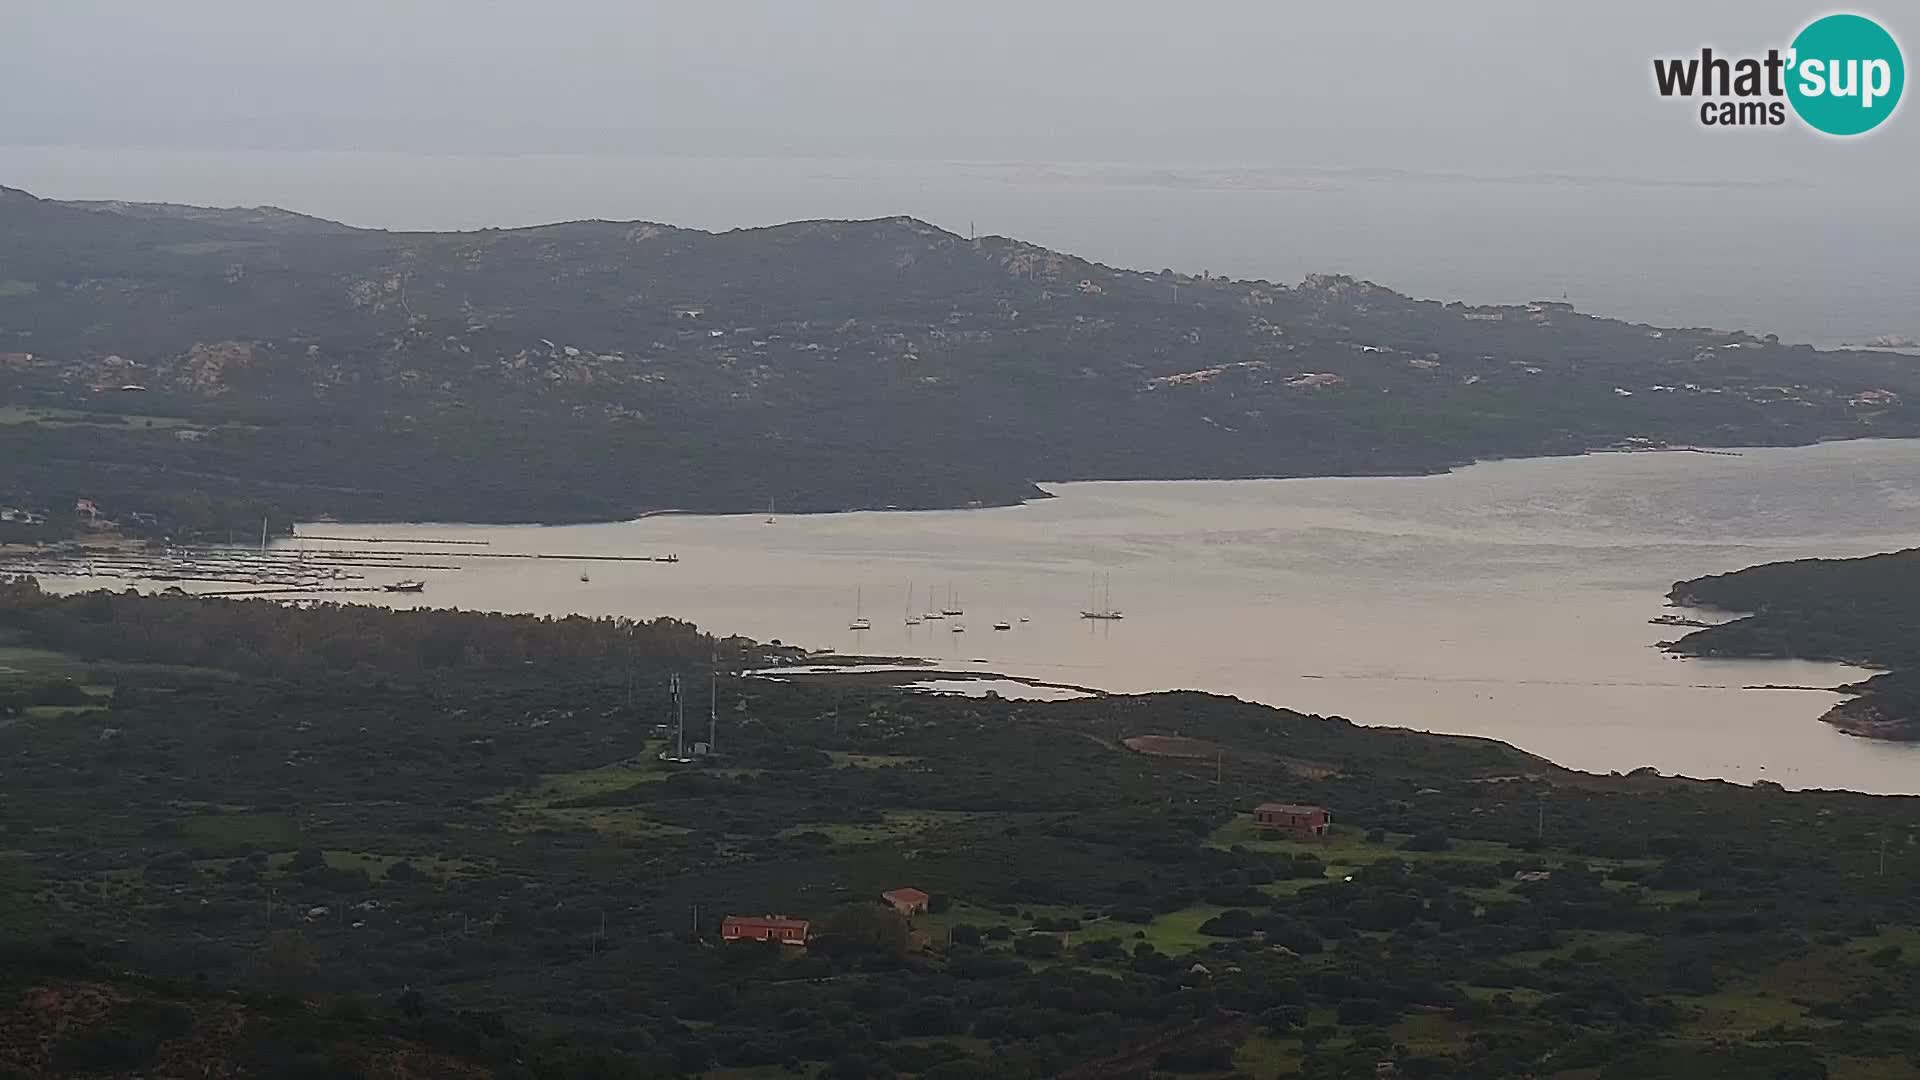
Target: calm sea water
x,y
1509,599
1824,262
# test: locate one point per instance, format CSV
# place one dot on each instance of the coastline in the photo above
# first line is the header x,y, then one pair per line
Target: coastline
x,y
1038,488
1864,713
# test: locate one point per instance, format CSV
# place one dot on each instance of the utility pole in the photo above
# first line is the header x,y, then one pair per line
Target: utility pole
x,y
713,712
1883,851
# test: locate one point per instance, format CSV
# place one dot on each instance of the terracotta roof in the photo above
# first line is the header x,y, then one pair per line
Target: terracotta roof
x,y
907,895
1288,808
770,922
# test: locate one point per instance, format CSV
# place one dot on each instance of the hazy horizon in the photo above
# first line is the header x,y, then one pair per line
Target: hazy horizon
x,y
1501,85
1497,152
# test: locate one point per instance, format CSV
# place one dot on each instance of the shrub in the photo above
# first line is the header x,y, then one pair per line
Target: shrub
x,y
1039,946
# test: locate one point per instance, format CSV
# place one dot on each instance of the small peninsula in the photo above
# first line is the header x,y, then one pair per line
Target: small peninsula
x,y
1854,611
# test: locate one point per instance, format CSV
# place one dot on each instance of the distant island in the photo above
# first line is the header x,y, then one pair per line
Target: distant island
x,y
1855,611
195,370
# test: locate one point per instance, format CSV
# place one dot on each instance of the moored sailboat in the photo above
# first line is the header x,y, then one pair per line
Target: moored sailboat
x,y
1104,608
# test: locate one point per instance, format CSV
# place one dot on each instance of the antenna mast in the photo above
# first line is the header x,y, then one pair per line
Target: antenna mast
x,y
680,722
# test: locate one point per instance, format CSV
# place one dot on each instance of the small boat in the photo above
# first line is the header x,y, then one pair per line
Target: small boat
x,y
859,622
584,577
406,586
769,511
912,619
953,606
1003,626
1023,618
958,628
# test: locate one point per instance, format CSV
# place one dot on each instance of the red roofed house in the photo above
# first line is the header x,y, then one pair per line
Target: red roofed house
x,y
1306,820
764,928
908,901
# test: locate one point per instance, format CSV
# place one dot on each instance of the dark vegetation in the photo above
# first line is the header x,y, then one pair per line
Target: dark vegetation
x,y
1857,611
331,867
292,367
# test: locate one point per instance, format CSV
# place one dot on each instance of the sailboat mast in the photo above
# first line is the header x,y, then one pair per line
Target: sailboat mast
x,y
713,710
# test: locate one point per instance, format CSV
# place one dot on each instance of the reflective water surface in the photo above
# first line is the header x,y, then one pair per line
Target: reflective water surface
x,y
1510,599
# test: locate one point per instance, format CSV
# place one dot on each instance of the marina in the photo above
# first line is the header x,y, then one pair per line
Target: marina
x,y
287,565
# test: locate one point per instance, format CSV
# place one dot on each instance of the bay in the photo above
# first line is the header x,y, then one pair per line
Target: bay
x,y
1509,599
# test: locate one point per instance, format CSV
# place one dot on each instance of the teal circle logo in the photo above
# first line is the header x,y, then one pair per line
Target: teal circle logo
x,y
1846,74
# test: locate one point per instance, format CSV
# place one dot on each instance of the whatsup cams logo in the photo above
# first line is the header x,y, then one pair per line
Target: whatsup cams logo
x,y
1842,75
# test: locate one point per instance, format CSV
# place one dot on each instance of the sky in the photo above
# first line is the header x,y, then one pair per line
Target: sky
x,y
1484,86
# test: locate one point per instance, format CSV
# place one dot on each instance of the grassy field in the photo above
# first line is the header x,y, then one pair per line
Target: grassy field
x,y
1346,847
1176,932
868,761
17,659
540,807
266,831
1264,1056
376,864
894,825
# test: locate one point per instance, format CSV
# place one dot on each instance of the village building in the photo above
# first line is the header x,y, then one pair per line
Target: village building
x,y
908,901
778,928
1291,817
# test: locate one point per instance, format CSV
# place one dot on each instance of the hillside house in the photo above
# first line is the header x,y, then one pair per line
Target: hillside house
x,y
907,901
778,928
1293,818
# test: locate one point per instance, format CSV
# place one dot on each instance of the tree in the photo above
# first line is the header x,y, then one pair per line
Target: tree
x,y
1039,946
865,928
